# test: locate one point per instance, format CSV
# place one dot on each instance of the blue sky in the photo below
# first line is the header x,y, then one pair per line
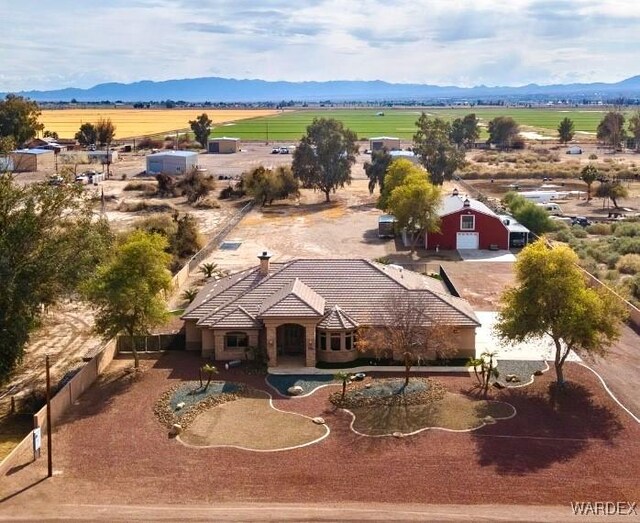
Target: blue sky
x,y
50,45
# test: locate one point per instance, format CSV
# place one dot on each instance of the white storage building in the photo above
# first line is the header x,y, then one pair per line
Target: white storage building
x,y
172,162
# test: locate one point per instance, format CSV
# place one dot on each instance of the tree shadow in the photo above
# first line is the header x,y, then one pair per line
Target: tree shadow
x,y
550,427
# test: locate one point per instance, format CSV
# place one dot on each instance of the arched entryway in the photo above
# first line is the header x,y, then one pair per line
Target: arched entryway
x,y
290,339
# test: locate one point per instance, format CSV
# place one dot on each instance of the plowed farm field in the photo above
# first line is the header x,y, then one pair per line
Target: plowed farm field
x,y
132,123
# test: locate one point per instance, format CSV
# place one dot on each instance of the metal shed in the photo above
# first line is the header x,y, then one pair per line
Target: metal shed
x,y
31,160
172,162
390,143
223,145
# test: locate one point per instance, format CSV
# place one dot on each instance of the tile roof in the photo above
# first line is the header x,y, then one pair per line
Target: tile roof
x,y
294,299
236,318
360,288
337,319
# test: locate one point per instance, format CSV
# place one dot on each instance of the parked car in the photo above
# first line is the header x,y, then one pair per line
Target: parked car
x,y
284,150
581,221
275,150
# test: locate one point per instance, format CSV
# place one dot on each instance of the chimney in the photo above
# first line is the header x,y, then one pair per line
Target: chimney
x,y
455,192
466,203
264,263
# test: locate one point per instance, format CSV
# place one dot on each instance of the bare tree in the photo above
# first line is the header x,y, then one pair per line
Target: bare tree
x,y
405,330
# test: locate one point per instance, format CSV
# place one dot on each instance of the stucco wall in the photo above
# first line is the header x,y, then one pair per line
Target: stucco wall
x,y
223,354
492,231
193,336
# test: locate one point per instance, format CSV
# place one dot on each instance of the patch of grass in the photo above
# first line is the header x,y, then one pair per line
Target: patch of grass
x,y
251,423
453,412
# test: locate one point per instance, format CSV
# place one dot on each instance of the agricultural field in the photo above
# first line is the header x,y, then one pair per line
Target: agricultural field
x,y
132,123
291,125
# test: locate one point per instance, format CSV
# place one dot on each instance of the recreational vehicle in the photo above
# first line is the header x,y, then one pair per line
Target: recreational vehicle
x,y
552,208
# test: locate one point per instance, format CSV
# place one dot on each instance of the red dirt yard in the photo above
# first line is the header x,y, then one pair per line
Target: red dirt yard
x,y
112,450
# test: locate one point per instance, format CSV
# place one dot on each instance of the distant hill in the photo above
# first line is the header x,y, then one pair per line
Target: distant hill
x,y
229,90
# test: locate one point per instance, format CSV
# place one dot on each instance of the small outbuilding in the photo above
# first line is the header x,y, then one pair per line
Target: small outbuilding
x,y
172,162
223,145
407,155
31,160
103,157
390,143
574,149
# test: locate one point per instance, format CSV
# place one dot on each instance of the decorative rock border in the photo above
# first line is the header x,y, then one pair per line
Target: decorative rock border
x,y
168,417
434,391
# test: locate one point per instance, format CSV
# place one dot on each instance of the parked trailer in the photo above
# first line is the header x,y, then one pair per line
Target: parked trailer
x,y
386,226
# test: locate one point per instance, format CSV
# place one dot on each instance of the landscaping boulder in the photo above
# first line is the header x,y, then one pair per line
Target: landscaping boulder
x,y
180,405
175,429
498,385
538,373
398,435
296,390
318,420
513,378
489,420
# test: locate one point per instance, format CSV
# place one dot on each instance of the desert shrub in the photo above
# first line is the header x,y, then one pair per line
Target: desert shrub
x,y
589,265
627,245
626,229
208,202
149,143
145,205
166,186
195,185
232,191
564,235
578,232
161,223
593,156
629,264
148,188
601,229
187,239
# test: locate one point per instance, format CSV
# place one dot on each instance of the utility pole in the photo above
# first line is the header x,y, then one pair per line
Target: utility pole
x,y
49,456
108,161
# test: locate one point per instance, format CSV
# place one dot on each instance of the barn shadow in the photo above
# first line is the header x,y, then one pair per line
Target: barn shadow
x,y
550,427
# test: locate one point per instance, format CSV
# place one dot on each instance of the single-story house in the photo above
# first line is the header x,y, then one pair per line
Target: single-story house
x,y
390,143
31,160
407,155
223,145
47,143
309,311
468,224
172,162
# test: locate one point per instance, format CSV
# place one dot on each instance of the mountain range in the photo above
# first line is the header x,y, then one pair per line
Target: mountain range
x,y
229,90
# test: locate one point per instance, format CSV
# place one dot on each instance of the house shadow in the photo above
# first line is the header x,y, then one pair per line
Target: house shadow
x,y
550,427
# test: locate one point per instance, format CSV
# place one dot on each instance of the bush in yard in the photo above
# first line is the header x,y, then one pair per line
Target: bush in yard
x,y
629,264
578,231
195,185
601,229
627,245
627,229
564,235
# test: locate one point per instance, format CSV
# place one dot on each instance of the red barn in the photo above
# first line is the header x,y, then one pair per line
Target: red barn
x,y
468,224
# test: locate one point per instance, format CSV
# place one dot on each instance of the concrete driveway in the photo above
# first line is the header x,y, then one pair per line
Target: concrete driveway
x,y
487,256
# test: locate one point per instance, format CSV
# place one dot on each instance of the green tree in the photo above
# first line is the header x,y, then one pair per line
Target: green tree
x,y
588,175
50,134
189,295
187,240
503,132
432,144
201,127
87,135
50,243
105,131
210,269
397,172
484,369
377,168
195,185
323,159
552,298
266,185
415,205
19,119
126,290
7,144
532,216
465,131
614,190
566,130
634,128
611,129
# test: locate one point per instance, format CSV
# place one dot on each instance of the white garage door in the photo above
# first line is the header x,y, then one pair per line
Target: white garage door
x,y
467,240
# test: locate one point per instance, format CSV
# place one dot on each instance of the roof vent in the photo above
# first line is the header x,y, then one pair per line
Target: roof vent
x,y
455,192
466,203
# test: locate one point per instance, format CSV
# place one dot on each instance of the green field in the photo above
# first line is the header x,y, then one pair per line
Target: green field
x,y
291,125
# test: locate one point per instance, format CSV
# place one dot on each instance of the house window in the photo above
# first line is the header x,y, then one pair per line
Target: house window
x,y
348,341
336,341
236,340
467,222
322,340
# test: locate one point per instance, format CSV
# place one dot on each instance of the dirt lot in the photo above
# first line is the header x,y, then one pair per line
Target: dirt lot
x,y
111,449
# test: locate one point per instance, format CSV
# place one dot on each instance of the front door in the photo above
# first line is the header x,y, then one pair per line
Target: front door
x,y
291,338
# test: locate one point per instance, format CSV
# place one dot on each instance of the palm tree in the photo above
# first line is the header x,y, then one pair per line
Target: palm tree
x,y
589,175
344,378
189,295
210,370
210,269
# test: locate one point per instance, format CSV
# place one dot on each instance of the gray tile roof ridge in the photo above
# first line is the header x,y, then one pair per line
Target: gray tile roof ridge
x,y
300,290
225,314
345,320
462,307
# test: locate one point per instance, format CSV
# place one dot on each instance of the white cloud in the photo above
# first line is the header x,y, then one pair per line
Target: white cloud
x,y
49,45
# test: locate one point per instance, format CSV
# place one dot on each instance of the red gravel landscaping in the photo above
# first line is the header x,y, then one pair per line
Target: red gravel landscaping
x,y
112,449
